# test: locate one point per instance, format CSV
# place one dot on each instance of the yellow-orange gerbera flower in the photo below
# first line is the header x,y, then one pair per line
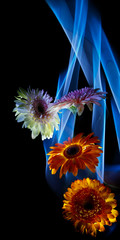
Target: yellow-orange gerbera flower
x,y
89,205
74,154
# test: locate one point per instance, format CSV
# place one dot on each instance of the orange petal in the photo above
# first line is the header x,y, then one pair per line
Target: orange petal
x,y
87,137
98,218
64,168
80,163
71,167
56,162
55,151
91,167
111,216
60,145
115,212
93,140
54,158
77,138
53,171
75,170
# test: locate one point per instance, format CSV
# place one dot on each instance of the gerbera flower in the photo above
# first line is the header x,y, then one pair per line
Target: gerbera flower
x,y
33,108
89,205
77,153
76,100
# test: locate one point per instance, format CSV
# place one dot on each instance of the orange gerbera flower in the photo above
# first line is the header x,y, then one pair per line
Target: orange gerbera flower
x,y
89,205
74,154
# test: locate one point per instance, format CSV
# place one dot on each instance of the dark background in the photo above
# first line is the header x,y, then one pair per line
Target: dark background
x,y
37,51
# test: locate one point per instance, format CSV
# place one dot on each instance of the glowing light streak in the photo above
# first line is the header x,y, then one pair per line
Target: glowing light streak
x,y
99,126
99,114
116,117
89,45
111,69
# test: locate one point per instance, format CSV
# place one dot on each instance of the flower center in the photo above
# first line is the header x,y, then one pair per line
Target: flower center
x,y
73,151
86,204
39,107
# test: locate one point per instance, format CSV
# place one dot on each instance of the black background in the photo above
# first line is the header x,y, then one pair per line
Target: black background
x,y
37,51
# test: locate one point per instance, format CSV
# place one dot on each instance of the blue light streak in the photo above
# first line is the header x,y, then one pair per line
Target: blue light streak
x,y
111,69
116,117
91,51
99,114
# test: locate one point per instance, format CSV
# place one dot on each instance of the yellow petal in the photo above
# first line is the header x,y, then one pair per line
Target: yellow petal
x,y
115,212
53,171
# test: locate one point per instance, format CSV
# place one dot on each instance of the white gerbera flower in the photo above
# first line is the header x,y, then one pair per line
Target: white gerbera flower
x,y
33,107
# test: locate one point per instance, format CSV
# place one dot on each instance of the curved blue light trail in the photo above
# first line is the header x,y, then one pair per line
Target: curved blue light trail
x,y
91,51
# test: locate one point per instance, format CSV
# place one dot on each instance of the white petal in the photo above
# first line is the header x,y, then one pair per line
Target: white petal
x,y
20,117
35,132
80,110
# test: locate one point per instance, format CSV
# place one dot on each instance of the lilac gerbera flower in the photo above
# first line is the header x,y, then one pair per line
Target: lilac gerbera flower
x,y
76,100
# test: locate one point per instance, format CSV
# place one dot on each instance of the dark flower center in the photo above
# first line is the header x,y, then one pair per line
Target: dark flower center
x,y
72,151
39,107
88,205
